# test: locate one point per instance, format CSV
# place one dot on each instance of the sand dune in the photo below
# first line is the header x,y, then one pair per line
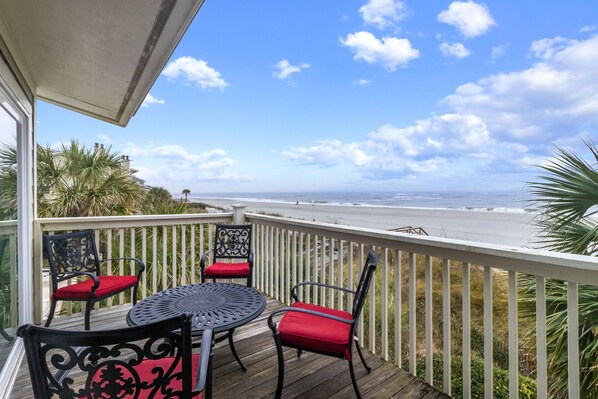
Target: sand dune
x,y
496,227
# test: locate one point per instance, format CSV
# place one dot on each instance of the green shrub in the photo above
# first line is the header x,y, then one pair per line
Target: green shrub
x,y
527,386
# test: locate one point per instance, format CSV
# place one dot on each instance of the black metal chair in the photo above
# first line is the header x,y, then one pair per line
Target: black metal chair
x,y
149,361
232,243
75,255
323,330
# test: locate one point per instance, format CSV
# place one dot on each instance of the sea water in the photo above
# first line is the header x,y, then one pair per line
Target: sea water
x,y
516,201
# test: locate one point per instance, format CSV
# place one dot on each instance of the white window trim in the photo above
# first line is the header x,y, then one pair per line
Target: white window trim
x,y
11,91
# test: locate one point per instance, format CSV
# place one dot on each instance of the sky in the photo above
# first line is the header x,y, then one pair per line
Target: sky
x,y
369,95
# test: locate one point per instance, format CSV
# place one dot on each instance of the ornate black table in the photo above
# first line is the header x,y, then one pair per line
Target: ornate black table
x,y
219,306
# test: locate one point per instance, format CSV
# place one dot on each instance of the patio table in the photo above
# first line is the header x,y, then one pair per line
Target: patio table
x,y
219,306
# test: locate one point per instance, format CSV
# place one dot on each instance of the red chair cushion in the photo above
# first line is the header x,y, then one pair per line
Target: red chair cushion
x,y
228,269
318,333
108,285
146,375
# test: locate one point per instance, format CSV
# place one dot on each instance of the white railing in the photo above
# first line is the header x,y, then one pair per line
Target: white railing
x,y
8,274
399,321
169,245
288,251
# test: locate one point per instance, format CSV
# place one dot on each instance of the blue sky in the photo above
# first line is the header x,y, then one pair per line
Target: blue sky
x,y
370,95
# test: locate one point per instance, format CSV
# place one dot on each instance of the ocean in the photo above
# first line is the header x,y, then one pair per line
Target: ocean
x,y
518,201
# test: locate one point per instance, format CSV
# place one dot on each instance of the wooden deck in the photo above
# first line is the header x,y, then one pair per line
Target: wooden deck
x,y
311,376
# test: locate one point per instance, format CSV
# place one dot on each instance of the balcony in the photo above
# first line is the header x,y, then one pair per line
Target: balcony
x,y
401,328
312,375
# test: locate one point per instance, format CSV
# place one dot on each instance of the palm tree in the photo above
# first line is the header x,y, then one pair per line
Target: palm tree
x,y
75,181
158,201
186,192
8,182
567,196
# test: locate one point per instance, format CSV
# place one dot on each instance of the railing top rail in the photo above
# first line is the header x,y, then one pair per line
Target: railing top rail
x,y
568,267
131,220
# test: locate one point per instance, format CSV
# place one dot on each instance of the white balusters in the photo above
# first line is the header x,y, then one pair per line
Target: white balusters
x,y
428,320
488,336
412,314
513,338
541,355
573,339
466,331
446,326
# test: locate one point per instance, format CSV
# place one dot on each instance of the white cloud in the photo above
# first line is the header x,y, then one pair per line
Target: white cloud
x,y
498,51
499,125
361,82
167,165
149,100
472,19
283,69
546,48
104,138
556,95
588,28
390,52
457,50
423,147
328,153
446,135
196,72
383,13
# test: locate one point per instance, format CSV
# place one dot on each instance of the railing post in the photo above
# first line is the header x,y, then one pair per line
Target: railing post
x,y
239,213
38,284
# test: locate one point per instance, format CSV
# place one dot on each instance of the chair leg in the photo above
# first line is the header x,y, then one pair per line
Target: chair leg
x,y
88,307
368,368
279,353
51,314
233,350
354,380
135,294
299,352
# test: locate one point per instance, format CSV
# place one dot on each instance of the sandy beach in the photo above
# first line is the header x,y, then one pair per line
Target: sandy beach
x,y
505,228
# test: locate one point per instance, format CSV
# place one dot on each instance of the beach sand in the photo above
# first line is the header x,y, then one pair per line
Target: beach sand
x,y
513,229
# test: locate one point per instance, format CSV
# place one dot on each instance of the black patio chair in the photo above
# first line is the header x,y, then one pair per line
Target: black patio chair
x,y
148,361
231,243
322,330
75,255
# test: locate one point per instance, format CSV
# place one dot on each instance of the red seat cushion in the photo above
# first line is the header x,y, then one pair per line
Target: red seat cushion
x,y
228,269
314,332
121,377
108,285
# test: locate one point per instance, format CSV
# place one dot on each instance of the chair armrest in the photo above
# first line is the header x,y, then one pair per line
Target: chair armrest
x,y
96,281
205,361
272,325
250,259
137,261
294,293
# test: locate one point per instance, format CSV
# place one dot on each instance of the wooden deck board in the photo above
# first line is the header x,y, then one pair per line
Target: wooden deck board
x,y
311,376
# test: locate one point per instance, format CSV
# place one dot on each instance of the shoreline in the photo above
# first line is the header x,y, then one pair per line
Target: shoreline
x,y
510,228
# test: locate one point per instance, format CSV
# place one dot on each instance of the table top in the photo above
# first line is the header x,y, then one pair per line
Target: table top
x,y
219,306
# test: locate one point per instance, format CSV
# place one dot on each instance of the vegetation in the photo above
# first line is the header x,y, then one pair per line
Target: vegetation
x,y
567,196
8,183
186,193
527,386
80,181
